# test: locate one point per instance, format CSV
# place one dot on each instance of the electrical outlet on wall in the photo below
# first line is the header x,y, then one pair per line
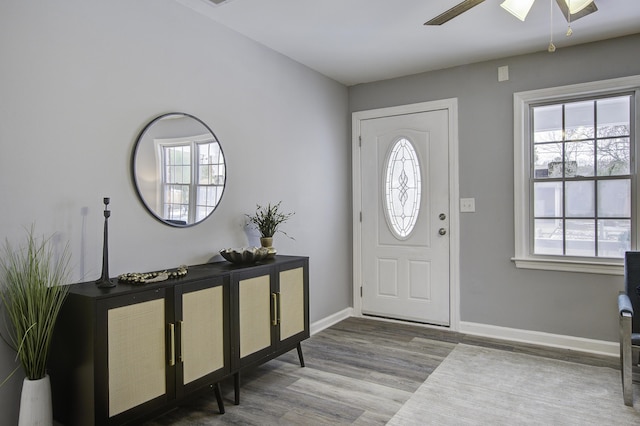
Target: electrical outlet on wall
x,y
467,205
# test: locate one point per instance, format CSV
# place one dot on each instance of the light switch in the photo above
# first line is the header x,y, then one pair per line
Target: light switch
x,y
467,205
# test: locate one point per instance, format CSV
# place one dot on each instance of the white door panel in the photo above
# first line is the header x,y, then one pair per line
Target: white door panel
x,y
406,276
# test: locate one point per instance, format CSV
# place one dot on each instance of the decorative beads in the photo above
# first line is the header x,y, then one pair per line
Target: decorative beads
x,y
140,278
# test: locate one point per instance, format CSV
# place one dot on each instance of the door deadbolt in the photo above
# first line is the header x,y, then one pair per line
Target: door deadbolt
x,y
442,216
442,231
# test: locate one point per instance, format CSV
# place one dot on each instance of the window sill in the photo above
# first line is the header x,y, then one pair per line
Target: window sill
x,y
565,265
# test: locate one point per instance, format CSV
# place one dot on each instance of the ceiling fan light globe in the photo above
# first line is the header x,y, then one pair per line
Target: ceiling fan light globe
x,y
576,6
519,8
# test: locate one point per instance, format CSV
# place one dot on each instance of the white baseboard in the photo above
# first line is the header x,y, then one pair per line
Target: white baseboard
x,y
599,347
327,322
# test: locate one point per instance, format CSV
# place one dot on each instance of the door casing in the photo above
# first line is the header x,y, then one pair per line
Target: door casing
x,y
451,105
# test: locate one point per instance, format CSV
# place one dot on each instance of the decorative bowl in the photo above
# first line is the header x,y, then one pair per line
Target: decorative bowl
x,y
245,255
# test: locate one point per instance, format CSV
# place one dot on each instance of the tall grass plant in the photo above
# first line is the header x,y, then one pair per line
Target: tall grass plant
x,y
33,287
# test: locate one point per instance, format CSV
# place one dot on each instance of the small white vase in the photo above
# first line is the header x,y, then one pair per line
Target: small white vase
x,y
35,403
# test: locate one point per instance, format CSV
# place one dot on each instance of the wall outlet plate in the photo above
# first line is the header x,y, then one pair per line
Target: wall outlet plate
x,y
467,205
503,73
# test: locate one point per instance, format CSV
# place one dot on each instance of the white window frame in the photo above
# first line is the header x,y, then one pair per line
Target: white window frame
x,y
523,257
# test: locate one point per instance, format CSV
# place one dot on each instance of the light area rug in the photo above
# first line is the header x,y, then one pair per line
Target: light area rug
x,y
482,386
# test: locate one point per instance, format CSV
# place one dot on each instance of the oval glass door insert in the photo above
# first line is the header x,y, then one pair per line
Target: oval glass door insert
x,y
403,188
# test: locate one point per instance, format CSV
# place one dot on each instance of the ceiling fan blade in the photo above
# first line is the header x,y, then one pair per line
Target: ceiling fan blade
x,y
584,12
453,12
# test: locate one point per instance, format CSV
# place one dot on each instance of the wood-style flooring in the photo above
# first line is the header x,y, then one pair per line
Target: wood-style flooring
x,y
358,372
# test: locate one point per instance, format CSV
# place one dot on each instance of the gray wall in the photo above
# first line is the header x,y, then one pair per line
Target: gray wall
x,y
78,81
493,291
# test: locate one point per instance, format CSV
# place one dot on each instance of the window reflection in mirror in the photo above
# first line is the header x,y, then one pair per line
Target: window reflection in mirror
x,y
179,169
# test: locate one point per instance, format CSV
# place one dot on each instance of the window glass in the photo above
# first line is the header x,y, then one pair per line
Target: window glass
x,y
547,123
614,237
549,236
578,117
580,238
613,116
614,157
548,199
403,188
580,200
614,198
548,160
179,204
581,182
579,159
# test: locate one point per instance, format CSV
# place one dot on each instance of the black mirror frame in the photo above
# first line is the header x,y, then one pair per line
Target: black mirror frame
x,y
135,181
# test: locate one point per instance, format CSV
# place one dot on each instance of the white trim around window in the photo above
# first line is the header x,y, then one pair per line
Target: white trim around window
x,y
521,102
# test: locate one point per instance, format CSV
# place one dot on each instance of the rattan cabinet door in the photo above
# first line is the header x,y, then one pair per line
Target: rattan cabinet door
x,y
292,303
202,333
254,307
136,354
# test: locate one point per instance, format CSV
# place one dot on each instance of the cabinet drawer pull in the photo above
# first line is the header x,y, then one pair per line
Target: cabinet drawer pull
x,y
181,325
172,345
279,310
274,299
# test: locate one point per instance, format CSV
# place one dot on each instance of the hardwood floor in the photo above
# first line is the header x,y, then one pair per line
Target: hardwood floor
x,y
358,372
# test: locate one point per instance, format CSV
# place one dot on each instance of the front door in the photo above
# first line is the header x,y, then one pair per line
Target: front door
x,y
405,216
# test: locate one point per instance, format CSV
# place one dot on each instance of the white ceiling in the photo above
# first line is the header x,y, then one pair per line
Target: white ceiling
x,y
359,41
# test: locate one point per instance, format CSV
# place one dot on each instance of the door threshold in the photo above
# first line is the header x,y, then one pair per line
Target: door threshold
x,y
405,321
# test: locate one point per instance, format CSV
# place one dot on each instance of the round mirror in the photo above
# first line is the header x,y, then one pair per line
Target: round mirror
x,y
178,169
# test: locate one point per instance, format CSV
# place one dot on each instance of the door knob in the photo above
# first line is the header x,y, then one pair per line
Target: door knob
x,y
442,231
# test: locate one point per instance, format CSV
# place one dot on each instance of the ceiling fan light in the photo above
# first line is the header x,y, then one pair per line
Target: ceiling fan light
x,y
576,6
519,8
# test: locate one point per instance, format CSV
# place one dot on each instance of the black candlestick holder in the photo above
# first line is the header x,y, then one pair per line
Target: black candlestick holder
x,y
105,281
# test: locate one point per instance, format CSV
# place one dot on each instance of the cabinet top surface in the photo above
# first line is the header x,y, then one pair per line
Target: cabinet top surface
x,y
195,273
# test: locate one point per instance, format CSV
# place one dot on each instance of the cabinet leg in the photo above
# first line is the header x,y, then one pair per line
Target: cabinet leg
x,y
300,355
236,388
216,389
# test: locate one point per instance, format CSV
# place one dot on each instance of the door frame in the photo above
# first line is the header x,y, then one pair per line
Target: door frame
x,y
451,105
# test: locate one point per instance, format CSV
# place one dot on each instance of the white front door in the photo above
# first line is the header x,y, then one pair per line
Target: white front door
x,y
405,241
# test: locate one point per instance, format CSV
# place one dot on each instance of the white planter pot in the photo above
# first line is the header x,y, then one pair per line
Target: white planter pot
x,y
35,403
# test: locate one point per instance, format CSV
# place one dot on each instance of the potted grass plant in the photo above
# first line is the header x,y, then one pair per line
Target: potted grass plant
x,y
33,278
267,221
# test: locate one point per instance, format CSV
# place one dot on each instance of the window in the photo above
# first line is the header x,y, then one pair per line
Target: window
x,y
198,160
403,188
575,204
176,180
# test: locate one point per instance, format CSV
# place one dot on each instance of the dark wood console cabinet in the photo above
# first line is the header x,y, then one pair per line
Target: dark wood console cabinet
x,y
130,352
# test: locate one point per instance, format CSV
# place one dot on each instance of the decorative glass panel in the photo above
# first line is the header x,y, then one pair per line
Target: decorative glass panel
x,y
403,187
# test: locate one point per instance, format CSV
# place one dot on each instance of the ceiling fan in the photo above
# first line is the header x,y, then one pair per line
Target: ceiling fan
x,y
571,9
